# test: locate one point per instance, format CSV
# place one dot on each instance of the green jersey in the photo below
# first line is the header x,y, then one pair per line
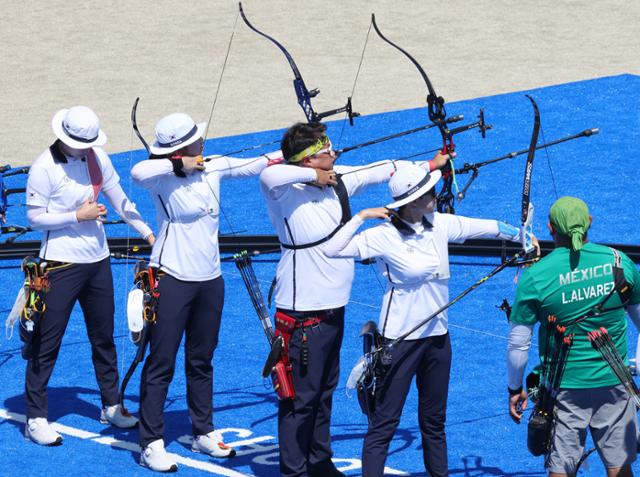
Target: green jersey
x,y
569,285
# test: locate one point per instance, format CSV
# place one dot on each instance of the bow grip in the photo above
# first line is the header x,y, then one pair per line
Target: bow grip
x,y
527,231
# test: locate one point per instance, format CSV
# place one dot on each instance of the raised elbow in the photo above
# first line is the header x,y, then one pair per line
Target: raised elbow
x,y
137,173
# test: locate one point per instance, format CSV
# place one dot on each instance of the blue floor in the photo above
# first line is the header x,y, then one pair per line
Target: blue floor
x,y
482,439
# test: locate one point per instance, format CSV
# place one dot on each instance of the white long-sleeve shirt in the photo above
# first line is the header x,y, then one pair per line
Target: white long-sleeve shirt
x,y
57,186
187,210
416,266
306,279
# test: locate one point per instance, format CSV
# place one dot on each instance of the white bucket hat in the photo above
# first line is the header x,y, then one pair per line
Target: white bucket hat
x,y
78,127
174,132
410,183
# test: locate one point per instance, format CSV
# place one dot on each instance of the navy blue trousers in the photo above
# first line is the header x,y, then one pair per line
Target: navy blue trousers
x,y
92,285
303,423
429,360
193,309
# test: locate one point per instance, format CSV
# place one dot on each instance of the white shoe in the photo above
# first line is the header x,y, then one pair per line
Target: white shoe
x,y
39,431
118,416
212,445
156,458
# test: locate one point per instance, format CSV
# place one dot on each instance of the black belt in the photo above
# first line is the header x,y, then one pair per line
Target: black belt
x,y
304,315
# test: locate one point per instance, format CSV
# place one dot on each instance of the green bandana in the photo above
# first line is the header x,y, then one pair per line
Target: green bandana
x,y
570,216
319,145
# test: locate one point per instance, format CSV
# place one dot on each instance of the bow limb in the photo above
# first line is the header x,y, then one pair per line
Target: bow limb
x,y
134,364
438,116
527,206
302,92
526,186
3,201
287,55
134,125
146,281
435,103
139,357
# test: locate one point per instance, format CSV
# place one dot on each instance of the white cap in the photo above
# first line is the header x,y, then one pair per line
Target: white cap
x,y
78,127
174,132
410,183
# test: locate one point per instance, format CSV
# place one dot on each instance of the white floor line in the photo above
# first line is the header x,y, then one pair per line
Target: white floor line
x,y
252,446
131,446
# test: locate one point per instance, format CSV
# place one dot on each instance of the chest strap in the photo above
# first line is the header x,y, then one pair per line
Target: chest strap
x,y
343,197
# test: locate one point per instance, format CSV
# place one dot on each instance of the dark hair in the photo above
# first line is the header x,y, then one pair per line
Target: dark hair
x,y
299,137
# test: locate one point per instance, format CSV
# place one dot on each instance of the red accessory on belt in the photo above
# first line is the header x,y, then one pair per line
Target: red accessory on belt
x,y
282,373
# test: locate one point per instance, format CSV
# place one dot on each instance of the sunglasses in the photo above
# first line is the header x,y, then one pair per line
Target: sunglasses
x,y
327,150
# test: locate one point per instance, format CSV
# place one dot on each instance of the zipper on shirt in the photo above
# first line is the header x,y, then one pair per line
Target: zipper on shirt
x,y
393,288
386,316
46,241
286,223
166,234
